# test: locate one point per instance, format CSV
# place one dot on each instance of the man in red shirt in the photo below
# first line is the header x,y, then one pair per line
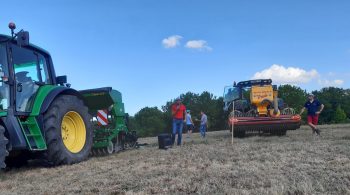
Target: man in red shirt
x,y
178,111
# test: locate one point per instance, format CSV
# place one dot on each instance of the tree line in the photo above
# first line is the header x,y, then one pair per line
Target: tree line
x,y
151,121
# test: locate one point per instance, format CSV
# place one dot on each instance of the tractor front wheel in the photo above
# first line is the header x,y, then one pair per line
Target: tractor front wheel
x,y
68,131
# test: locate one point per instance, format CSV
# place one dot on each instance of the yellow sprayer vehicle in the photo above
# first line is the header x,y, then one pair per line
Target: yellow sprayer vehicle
x,y
262,112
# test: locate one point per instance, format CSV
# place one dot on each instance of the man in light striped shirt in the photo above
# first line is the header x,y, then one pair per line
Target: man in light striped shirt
x,y
204,124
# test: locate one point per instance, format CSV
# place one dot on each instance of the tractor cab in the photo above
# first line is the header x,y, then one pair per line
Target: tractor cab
x,y
24,68
4,74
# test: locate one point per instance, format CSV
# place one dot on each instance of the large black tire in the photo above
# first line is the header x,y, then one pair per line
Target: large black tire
x,y
131,139
57,153
3,149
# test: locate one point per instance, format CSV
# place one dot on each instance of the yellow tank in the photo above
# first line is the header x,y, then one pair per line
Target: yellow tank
x,y
261,97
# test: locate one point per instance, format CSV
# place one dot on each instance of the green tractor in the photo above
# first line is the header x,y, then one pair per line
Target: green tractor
x,y
42,117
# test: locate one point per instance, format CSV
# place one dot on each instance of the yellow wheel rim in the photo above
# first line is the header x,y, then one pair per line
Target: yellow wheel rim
x,y
73,132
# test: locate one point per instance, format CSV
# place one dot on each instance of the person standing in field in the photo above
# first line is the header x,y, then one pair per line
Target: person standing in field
x,y
178,111
314,109
204,124
189,124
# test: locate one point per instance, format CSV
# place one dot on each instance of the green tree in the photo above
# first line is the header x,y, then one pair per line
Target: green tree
x,y
149,121
293,96
132,124
340,115
332,97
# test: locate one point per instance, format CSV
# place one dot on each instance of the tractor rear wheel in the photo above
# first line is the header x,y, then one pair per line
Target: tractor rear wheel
x,y
67,130
3,149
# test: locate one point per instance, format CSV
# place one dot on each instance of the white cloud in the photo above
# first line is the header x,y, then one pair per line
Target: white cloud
x,y
331,83
198,44
338,82
287,75
171,41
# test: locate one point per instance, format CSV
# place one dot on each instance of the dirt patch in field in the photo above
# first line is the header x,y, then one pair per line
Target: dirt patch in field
x,y
298,163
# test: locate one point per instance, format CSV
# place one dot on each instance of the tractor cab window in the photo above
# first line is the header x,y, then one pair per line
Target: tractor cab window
x,y
43,69
231,93
4,88
29,68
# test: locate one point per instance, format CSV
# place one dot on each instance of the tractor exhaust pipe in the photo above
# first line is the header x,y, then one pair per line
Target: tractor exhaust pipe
x,y
275,100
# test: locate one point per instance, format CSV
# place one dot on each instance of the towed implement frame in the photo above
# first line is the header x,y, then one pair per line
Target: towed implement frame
x,y
109,121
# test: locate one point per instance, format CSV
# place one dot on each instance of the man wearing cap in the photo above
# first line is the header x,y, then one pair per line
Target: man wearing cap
x,y
314,109
178,111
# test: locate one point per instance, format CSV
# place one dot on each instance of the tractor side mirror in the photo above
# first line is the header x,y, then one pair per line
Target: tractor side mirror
x,y
23,38
61,79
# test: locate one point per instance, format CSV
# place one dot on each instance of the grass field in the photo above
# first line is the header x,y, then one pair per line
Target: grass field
x,y
298,163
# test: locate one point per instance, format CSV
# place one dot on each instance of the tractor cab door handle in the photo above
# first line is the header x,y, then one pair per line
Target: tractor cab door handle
x,y
19,87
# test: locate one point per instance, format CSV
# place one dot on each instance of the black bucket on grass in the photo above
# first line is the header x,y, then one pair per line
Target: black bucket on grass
x,y
164,141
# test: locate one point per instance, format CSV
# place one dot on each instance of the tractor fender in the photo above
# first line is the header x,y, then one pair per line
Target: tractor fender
x,y
56,92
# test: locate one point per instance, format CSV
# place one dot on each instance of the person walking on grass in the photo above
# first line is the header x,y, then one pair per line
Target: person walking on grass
x,y
189,124
204,124
178,111
314,109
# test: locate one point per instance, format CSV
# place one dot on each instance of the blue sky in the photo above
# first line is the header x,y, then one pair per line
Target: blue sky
x,y
154,50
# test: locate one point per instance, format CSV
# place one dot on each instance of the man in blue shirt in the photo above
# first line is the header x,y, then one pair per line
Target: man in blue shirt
x,y
314,109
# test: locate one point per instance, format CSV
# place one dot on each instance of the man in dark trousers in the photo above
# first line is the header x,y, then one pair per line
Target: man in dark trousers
x,y
178,111
314,109
204,124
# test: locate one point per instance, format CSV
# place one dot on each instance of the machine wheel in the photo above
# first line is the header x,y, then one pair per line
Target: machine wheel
x,y
110,147
239,133
3,149
131,139
67,130
282,133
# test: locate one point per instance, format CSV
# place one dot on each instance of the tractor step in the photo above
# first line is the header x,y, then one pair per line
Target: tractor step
x,y
32,133
28,123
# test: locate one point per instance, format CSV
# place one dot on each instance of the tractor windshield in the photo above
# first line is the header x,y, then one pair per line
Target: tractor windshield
x,y
231,93
4,88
